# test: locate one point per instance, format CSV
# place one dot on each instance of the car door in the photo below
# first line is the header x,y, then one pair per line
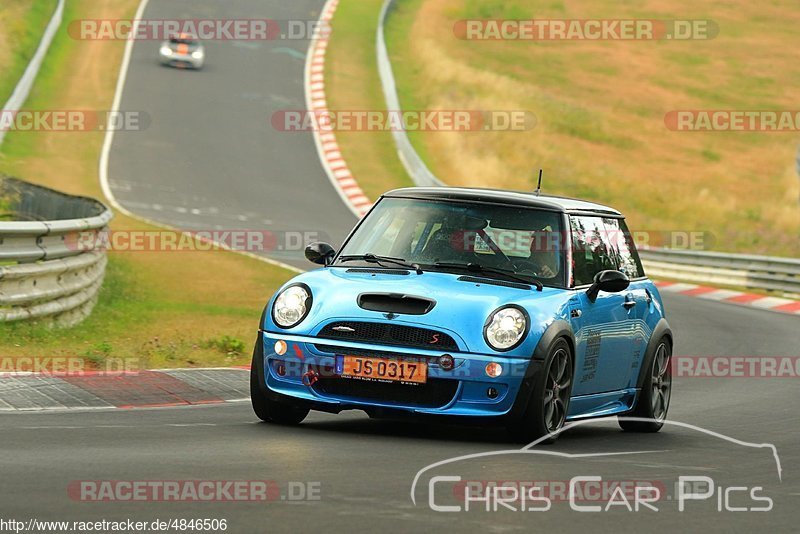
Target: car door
x,y
604,329
627,260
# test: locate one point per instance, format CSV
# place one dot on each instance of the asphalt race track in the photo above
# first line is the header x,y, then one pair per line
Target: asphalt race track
x,y
365,467
210,159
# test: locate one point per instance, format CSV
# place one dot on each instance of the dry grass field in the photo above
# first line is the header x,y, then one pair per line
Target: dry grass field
x,y
600,107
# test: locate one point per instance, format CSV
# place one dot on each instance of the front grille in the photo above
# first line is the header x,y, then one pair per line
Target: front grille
x,y
389,334
434,393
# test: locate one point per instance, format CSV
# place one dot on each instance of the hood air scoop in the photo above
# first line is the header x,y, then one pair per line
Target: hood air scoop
x,y
395,303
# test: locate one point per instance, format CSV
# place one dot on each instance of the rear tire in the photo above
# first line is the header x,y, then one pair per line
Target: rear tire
x,y
549,402
653,402
266,409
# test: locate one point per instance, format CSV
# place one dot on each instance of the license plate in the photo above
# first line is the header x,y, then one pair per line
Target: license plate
x,y
382,369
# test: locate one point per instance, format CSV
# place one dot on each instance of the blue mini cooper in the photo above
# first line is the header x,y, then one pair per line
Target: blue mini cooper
x,y
492,306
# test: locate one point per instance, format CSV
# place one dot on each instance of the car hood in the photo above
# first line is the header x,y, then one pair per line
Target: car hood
x,y
461,307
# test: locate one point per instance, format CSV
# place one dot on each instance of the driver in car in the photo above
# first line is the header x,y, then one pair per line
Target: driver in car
x,y
543,253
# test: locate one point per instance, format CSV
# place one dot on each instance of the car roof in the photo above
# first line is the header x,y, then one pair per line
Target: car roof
x,y
501,196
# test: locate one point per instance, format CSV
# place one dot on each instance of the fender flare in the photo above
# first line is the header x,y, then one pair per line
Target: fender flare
x,y
258,359
661,330
558,329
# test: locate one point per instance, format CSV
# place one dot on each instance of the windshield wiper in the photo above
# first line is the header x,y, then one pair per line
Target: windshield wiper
x,y
381,260
478,268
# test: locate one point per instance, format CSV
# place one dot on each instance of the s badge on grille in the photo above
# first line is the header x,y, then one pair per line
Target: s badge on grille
x,y
344,329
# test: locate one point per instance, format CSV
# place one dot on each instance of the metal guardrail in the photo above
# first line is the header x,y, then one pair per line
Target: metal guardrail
x,y
781,275
25,83
45,273
413,164
766,273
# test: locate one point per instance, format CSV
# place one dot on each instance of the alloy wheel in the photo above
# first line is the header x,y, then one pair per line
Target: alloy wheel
x,y
661,382
557,390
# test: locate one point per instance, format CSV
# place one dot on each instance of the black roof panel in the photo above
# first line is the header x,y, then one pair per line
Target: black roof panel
x,y
500,196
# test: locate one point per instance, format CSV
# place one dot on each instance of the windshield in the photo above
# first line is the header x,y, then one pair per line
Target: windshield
x,y
184,41
443,235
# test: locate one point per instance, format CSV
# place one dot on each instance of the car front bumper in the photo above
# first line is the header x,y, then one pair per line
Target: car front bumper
x,y
181,60
306,372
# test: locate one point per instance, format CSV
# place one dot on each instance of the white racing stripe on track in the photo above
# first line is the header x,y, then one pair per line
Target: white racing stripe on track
x,y
770,302
677,288
328,150
730,296
720,294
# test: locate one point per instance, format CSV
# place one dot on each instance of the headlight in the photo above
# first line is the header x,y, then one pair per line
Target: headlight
x,y
291,306
197,54
166,51
506,328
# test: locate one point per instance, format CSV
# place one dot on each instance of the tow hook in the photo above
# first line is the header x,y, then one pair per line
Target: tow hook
x,y
310,378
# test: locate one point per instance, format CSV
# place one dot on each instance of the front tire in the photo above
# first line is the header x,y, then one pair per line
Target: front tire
x,y
266,409
547,408
653,402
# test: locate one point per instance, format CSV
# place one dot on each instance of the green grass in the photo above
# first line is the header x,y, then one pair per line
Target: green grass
x,y
496,9
22,38
352,83
395,33
19,145
124,325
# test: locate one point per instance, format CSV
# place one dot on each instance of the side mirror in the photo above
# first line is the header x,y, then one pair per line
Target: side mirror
x,y
320,253
608,281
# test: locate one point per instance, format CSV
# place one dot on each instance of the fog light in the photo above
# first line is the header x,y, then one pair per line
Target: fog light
x,y
281,347
446,362
494,369
492,393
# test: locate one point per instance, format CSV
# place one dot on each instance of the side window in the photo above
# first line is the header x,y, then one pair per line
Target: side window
x,y
591,249
627,259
